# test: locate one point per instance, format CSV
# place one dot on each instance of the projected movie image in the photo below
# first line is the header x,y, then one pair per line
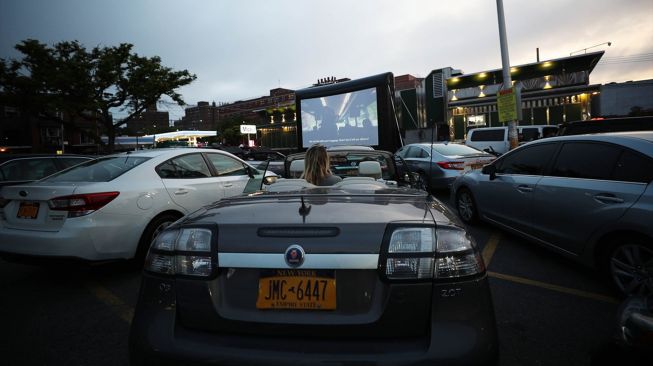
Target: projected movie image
x,y
342,119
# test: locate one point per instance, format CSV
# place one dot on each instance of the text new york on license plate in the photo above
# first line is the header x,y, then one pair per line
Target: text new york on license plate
x,y
297,289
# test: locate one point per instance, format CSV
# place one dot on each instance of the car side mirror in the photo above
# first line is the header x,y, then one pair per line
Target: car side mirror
x,y
491,170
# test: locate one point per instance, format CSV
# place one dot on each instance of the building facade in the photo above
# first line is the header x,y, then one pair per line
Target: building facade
x,y
149,122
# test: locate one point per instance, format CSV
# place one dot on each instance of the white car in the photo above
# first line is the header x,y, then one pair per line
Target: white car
x,y
112,207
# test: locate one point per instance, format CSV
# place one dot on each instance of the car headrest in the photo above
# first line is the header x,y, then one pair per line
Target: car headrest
x,y
296,168
369,169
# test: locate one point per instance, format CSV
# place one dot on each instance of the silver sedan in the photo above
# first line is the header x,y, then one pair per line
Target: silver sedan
x,y
439,164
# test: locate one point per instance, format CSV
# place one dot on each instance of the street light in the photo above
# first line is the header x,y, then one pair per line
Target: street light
x,y
586,48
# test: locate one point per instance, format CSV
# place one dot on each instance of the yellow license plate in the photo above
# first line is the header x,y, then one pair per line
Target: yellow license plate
x,y
28,210
297,290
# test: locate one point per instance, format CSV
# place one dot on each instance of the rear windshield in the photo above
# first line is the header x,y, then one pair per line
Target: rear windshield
x,y
455,149
99,170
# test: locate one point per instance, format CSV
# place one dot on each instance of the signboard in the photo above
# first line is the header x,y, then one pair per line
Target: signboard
x,y
247,129
507,105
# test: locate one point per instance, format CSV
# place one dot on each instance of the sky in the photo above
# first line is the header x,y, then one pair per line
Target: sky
x,y
241,49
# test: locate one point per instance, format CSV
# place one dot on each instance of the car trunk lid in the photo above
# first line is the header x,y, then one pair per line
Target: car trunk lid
x,y
28,208
341,243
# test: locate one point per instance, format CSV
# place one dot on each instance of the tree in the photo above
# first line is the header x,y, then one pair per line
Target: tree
x,y
68,79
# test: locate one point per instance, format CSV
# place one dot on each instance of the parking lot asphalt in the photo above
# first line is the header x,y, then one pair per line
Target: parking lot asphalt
x,y
549,310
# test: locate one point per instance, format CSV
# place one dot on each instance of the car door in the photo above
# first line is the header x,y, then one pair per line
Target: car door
x,y
507,199
232,173
591,184
189,181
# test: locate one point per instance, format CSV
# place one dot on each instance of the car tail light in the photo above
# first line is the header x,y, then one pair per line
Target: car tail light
x,y
457,255
185,252
81,204
425,253
456,165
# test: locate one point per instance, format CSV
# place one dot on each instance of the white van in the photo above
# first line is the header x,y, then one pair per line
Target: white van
x,y
496,138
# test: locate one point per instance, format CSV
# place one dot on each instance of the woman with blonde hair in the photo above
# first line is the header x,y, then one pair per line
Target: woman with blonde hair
x,y
316,167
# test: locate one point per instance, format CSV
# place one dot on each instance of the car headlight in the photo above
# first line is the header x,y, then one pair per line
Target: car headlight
x,y
185,251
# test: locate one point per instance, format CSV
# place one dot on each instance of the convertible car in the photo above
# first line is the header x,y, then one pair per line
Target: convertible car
x,y
370,271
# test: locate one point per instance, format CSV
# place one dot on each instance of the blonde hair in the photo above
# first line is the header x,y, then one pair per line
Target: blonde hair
x,y
316,164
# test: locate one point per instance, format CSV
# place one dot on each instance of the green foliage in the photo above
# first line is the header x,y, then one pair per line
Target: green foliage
x,y
87,84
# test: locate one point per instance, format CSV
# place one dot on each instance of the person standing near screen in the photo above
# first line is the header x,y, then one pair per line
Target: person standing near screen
x,y
328,131
317,167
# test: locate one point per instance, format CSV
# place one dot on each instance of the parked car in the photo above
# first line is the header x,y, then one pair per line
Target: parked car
x,y
495,139
606,125
112,207
588,197
366,271
439,164
24,168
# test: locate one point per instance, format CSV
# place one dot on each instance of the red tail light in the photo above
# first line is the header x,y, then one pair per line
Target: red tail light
x,y
81,204
457,165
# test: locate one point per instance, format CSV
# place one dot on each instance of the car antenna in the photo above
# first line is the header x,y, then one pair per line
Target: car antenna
x,y
304,210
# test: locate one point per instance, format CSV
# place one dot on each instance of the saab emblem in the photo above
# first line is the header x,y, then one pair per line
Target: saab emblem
x,y
295,255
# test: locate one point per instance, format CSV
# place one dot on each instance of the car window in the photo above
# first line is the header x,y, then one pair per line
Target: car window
x,y
530,133
633,167
455,149
28,169
226,165
586,160
99,170
488,135
70,161
184,167
529,161
416,152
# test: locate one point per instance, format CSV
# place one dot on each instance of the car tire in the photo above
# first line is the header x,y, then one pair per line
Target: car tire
x,y
628,263
466,206
158,224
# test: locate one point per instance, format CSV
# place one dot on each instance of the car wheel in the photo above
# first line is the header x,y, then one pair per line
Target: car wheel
x,y
466,206
630,266
154,228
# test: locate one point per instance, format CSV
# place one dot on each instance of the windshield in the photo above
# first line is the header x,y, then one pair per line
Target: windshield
x,y
455,149
99,170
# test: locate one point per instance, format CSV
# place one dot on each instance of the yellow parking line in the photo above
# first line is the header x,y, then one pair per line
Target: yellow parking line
x,y
489,249
548,286
124,311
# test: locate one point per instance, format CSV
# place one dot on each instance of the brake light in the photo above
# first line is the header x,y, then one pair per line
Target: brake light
x,y
456,165
184,252
425,253
81,204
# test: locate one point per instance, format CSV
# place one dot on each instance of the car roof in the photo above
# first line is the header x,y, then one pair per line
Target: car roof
x,y
640,140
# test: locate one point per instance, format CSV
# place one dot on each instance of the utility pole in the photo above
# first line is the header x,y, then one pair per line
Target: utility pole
x,y
507,80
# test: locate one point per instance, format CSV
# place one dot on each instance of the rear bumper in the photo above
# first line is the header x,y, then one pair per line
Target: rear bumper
x,y
91,239
462,332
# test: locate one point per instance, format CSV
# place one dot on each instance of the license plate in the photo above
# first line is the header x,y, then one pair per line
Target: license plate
x,y
28,210
297,290
476,166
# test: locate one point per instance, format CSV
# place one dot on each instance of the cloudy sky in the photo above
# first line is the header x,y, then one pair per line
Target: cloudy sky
x,y
243,48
